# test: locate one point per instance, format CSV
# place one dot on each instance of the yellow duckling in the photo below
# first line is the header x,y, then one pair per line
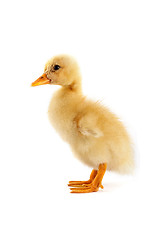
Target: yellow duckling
x,y
96,135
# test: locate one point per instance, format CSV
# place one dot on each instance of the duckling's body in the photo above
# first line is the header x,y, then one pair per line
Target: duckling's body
x,y
93,132
97,137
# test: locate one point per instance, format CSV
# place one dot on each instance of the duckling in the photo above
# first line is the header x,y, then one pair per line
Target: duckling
x,y
97,137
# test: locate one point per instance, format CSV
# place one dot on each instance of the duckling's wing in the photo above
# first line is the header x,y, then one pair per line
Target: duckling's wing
x,y
90,132
88,125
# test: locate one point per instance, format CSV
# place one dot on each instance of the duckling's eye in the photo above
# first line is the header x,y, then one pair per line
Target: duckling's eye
x,y
56,67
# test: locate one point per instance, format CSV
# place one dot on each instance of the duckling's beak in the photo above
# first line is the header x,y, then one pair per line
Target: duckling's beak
x,y
41,81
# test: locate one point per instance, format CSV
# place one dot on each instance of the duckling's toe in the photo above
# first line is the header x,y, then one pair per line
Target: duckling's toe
x,y
81,184
78,183
88,189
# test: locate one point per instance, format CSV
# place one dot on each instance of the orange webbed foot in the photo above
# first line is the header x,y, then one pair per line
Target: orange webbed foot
x,y
92,185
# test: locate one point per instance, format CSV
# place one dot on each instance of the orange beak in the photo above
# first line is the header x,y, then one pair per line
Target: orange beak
x,y
41,81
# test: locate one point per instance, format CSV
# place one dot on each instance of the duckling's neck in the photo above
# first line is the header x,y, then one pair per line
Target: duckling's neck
x,y
74,87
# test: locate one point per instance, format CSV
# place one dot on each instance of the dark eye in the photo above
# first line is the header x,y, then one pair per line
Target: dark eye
x,y
56,67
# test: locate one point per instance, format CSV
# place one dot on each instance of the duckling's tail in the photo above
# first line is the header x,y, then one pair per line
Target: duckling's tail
x,y
127,168
123,160
127,164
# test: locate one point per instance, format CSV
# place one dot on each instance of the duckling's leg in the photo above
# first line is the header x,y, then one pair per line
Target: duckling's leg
x,y
80,183
95,184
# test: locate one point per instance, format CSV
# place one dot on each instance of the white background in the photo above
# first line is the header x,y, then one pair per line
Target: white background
x,y
117,44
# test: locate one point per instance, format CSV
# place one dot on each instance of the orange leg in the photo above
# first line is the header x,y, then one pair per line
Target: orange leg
x,y
93,184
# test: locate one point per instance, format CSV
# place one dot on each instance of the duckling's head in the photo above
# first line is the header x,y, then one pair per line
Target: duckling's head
x,y
60,70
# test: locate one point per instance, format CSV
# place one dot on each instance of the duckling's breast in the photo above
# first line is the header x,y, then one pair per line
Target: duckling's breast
x,y
61,112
